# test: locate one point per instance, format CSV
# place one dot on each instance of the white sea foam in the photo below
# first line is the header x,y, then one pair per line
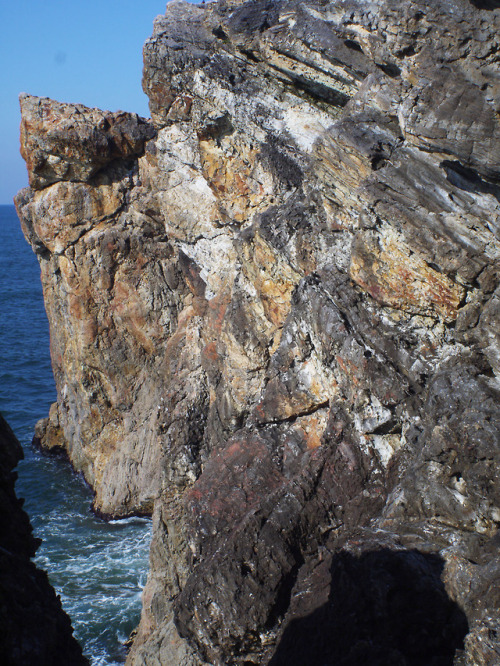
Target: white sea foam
x,y
98,568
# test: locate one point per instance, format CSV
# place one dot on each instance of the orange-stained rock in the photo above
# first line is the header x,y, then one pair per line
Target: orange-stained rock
x,y
390,271
233,171
272,277
73,142
65,211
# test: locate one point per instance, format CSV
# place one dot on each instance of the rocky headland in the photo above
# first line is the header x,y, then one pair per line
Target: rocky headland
x,y
34,629
274,312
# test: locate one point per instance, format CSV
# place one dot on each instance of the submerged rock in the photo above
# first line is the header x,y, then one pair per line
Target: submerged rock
x,y
274,324
34,627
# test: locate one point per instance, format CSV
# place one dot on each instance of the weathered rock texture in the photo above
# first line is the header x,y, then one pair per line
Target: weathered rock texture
x,y
277,320
34,627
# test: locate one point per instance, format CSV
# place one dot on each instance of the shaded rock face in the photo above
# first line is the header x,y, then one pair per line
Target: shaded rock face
x,y
35,629
385,606
274,322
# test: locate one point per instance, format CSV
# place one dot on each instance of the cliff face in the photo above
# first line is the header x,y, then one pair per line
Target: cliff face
x,y
35,629
274,316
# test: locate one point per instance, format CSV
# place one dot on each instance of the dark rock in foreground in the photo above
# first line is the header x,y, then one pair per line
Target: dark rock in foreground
x,y
34,627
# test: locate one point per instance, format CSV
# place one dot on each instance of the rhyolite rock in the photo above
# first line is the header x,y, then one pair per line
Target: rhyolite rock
x,y
34,627
70,142
274,323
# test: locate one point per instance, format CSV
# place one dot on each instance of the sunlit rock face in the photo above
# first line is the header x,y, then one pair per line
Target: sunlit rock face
x,y
274,318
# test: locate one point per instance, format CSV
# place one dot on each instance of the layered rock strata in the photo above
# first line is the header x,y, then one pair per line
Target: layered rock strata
x,y
274,322
34,627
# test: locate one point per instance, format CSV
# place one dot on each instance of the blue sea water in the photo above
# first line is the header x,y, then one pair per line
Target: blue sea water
x,y
98,568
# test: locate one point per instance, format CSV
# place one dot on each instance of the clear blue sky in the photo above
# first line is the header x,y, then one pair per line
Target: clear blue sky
x,y
87,52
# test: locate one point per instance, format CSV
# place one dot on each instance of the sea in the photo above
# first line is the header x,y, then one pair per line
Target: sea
x,y
98,568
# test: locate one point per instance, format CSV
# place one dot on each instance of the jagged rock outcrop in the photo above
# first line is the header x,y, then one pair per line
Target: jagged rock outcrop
x,y
276,320
35,629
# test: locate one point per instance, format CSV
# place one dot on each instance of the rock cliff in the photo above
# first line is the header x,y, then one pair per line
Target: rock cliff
x,y
35,629
274,316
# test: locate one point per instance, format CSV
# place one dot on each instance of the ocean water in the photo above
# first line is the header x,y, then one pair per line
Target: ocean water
x,y
98,568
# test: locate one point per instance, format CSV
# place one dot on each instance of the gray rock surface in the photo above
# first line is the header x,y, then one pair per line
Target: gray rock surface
x,y
274,323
